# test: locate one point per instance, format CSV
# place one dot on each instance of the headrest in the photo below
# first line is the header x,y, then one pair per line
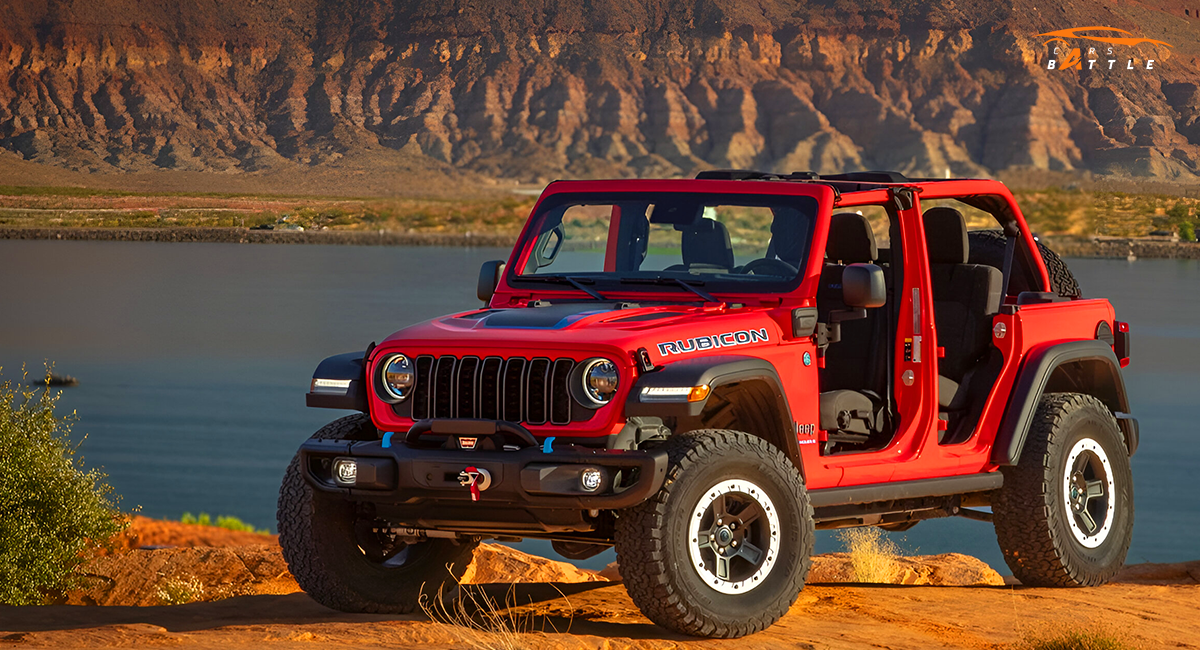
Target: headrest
x,y
789,230
707,242
946,236
851,240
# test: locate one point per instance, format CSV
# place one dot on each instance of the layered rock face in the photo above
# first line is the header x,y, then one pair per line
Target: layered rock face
x,y
532,89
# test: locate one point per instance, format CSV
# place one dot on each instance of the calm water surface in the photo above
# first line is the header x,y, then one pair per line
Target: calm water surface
x,y
193,361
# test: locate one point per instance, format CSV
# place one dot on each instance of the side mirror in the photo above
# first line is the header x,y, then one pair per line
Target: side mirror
x,y
863,286
489,278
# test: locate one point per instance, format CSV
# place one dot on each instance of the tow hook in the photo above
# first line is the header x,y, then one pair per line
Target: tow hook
x,y
476,479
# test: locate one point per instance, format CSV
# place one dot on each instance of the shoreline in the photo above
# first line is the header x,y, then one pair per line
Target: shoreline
x,y
248,236
1114,248
1121,248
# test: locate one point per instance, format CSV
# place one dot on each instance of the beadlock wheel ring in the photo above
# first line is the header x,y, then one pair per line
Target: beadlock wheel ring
x,y
1089,493
733,536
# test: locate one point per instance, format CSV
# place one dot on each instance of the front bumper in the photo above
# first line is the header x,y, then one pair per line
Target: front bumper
x,y
418,481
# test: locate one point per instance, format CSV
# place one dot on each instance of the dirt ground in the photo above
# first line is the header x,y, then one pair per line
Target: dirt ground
x,y
597,615
1150,606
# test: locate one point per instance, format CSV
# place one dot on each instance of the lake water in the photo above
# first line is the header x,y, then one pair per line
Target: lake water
x,y
193,361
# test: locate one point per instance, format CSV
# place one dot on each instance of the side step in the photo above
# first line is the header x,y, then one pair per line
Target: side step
x,y
933,487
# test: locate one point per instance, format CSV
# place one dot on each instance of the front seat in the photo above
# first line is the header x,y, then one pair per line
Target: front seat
x,y
706,246
853,379
966,298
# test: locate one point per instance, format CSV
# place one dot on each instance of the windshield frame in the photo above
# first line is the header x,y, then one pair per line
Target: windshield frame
x,y
817,198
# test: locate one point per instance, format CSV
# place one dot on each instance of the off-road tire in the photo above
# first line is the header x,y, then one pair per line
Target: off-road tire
x,y
652,539
1032,517
987,247
316,531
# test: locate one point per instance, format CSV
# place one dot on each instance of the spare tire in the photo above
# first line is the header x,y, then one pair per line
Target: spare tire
x,y
987,247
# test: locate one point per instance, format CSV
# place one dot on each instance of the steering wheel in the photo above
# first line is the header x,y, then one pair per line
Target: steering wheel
x,y
770,266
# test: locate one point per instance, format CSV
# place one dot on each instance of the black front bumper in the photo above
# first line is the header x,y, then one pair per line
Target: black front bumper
x,y
416,482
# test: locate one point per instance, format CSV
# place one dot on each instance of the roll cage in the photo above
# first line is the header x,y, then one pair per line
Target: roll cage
x,y
891,190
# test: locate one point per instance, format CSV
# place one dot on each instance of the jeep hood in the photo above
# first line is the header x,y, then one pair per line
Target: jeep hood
x,y
579,325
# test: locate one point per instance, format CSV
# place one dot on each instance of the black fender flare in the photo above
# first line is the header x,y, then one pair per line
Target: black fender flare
x,y
713,371
350,366
1077,366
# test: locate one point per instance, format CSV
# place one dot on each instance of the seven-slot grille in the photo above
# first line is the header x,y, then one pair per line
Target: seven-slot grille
x,y
534,391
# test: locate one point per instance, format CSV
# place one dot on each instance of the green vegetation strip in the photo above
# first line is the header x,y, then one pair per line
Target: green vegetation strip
x,y
1053,212
222,521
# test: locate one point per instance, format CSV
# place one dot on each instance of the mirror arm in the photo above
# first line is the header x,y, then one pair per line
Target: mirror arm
x,y
831,332
842,315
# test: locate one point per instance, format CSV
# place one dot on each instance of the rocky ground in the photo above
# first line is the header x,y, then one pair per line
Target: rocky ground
x,y
246,599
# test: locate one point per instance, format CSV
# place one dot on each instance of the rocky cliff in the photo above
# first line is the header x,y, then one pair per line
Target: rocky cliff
x,y
534,89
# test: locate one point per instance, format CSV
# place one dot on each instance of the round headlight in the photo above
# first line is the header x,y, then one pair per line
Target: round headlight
x,y
600,380
398,377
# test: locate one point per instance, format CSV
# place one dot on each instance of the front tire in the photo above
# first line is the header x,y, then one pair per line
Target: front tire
x,y
339,559
723,549
1064,517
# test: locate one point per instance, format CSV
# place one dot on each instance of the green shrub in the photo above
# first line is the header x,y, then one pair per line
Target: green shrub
x,y
229,523
51,509
1178,212
1187,232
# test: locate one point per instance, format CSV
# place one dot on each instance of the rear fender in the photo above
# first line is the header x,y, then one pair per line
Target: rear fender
x,y
727,376
1088,367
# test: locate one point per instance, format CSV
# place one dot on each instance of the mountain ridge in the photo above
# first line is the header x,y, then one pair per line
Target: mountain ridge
x,y
532,90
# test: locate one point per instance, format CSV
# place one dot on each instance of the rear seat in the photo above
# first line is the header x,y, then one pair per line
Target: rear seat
x,y
966,297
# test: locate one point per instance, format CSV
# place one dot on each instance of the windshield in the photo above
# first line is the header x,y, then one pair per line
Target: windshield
x,y
723,242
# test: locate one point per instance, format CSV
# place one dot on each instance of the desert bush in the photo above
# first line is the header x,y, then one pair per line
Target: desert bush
x,y
1076,639
180,590
52,510
872,554
1179,212
1187,232
222,521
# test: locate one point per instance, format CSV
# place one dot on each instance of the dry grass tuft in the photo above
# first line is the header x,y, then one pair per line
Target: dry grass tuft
x,y
475,620
1099,638
872,554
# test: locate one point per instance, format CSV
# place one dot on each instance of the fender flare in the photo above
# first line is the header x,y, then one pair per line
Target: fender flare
x,y
1046,370
713,371
349,366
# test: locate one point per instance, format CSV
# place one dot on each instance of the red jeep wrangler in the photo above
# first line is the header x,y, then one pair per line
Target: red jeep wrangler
x,y
700,372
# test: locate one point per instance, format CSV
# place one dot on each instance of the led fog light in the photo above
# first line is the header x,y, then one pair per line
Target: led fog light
x,y
590,479
345,471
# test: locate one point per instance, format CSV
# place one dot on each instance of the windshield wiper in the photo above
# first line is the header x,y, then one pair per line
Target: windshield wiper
x,y
566,279
692,285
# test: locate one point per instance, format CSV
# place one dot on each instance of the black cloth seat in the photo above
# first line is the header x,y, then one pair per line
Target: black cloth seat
x,y
706,246
966,298
854,376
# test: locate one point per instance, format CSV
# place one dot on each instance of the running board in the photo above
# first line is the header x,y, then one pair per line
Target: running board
x,y
933,487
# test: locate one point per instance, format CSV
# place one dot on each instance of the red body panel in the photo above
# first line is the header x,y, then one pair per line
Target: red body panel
x,y
914,452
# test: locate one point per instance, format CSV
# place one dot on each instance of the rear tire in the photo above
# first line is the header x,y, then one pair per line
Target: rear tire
x,y
1064,517
723,549
324,536
987,247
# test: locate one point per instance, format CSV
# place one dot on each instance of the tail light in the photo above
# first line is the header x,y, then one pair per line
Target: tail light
x,y
1121,342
